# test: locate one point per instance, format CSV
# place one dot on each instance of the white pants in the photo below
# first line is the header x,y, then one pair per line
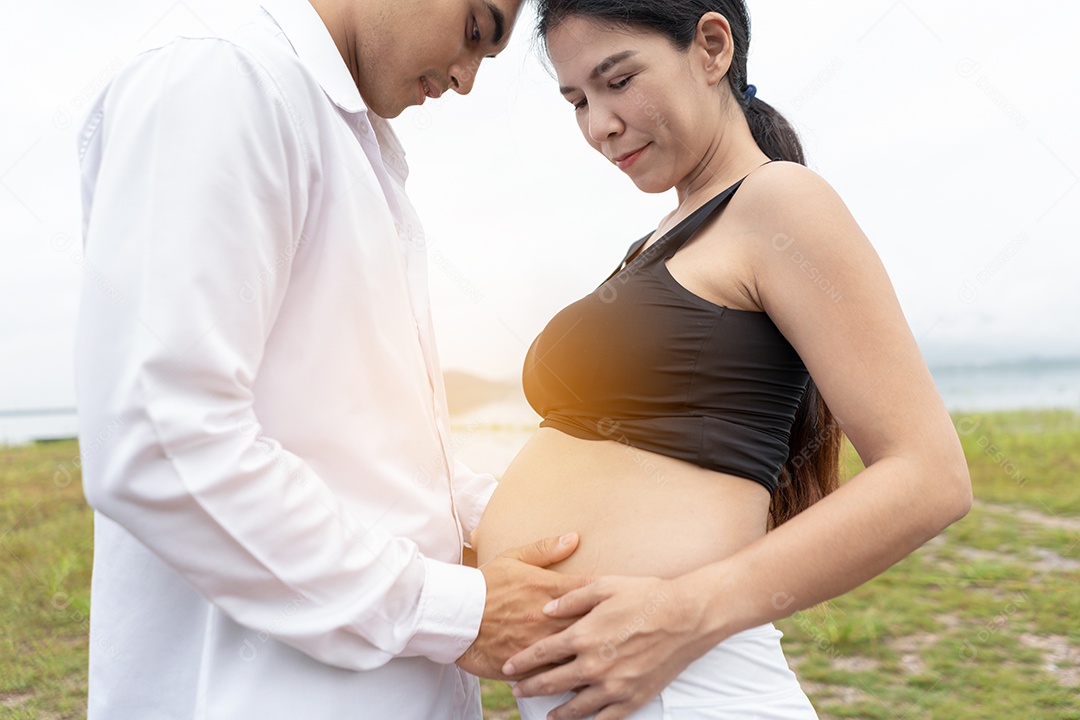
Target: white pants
x,y
746,677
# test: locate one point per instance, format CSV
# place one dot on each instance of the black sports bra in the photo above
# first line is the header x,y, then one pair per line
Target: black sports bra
x,y
645,362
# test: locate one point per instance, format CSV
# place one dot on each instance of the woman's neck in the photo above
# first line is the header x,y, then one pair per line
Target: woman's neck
x,y
731,157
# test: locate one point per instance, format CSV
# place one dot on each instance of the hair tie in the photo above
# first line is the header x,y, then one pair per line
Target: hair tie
x,y
750,93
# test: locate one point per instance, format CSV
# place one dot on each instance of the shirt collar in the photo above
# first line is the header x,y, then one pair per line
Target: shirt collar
x,y
311,41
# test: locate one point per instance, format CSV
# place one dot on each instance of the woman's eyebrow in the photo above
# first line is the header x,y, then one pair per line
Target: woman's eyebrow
x,y
605,65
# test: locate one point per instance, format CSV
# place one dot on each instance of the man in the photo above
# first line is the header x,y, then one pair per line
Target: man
x,y
279,521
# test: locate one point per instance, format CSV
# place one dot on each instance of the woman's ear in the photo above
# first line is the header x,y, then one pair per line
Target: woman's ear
x,y
714,39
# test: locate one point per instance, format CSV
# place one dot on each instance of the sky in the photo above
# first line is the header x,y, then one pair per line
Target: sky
x,y
948,129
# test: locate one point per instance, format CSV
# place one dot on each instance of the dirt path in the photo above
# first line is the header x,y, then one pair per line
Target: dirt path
x,y
1050,520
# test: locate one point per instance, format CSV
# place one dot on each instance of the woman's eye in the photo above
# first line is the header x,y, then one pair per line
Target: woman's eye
x,y
475,36
580,104
622,83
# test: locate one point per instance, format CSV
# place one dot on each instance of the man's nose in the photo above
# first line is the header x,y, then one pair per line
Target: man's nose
x,y
463,74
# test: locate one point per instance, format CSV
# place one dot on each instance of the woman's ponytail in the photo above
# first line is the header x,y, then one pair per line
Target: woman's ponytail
x,y
772,132
812,470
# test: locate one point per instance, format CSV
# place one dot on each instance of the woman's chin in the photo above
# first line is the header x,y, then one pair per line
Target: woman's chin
x,y
651,185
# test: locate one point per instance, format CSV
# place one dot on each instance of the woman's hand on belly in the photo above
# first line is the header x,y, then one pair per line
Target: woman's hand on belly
x,y
648,630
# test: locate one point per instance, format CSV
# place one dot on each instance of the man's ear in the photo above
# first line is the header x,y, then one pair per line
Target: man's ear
x,y
713,39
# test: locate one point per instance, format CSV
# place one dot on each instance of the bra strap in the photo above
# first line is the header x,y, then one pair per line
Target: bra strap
x,y
685,229
693,222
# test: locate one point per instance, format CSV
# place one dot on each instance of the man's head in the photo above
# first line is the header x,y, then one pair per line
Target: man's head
x,y
401,52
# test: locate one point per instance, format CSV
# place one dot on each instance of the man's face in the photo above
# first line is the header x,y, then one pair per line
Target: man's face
x,y
419,49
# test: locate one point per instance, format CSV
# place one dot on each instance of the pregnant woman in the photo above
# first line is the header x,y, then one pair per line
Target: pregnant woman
x,y
693,403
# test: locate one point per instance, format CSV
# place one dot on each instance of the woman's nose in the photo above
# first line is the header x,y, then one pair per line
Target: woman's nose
x,y
603,123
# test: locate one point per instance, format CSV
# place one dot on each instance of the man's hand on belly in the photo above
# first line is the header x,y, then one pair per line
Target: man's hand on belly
x,y
517,590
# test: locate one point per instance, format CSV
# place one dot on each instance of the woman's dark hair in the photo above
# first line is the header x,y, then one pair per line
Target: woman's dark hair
x,y
812,469
677,20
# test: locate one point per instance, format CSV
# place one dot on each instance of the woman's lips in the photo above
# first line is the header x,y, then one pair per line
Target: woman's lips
x,y
626,161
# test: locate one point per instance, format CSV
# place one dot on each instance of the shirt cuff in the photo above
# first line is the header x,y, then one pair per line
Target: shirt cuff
x,y
451,608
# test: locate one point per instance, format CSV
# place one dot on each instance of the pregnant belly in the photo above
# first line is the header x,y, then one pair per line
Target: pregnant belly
x,y
638,513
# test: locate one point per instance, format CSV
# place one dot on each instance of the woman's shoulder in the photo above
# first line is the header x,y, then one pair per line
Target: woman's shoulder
x,y
785,198
781,187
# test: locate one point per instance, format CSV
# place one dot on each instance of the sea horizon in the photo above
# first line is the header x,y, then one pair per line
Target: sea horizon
x,y
1032,384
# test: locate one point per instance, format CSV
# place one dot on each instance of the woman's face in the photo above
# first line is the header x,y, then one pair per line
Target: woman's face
x,y
650,109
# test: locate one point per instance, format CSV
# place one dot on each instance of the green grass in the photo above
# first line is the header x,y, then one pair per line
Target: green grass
x,y
46,541
969,627
1031,459
947,632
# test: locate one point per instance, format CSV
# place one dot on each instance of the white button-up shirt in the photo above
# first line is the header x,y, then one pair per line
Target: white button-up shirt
x,y
279,520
